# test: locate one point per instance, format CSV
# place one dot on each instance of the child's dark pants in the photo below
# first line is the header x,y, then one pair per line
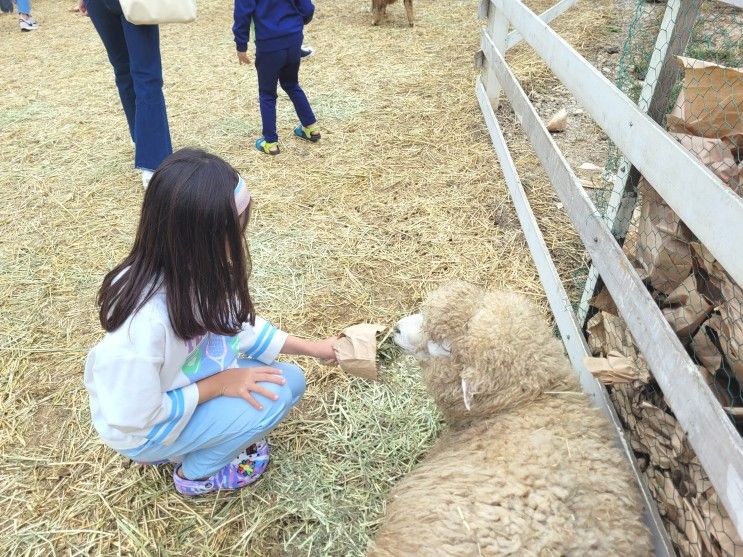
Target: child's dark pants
x,y
280,67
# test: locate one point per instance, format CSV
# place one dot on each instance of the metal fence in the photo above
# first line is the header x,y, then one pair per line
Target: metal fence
x,y
662,305
700,104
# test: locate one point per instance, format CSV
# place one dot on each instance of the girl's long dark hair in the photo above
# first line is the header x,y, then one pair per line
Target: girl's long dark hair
x,y
190,241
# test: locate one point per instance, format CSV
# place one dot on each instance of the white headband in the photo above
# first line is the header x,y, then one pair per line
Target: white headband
x,y
242,195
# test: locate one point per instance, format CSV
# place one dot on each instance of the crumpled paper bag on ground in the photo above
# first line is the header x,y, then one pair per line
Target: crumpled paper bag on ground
x,y
663,436
604,302
717,521
662,242
716,155
356,350
558,122
710,102
707,270
608,333
731,325
615,368
685,308
715,284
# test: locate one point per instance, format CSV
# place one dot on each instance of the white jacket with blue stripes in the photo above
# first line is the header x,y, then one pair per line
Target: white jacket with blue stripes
x,y
141,377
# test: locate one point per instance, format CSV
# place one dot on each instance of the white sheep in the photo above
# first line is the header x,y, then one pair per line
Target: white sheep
x,y
527,466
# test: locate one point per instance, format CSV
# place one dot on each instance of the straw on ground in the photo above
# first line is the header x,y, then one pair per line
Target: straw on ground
x,y
403,193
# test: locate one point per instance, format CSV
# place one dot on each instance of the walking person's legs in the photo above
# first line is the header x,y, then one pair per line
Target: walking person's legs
x,y
268,65
151,131
110,28
289,80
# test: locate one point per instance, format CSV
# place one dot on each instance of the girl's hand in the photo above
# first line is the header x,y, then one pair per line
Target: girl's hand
x,y
320,349
82,8
323,350
243,58
240,383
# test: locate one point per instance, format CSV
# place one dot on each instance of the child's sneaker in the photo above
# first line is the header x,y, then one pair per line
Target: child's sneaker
x,y
308,133
244,470
306,51
27,23
267,148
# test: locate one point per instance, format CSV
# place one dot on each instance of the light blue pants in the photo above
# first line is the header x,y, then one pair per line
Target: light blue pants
x,y
222,427
24,7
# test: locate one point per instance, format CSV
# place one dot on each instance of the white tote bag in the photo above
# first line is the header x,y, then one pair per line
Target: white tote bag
x,y
154,12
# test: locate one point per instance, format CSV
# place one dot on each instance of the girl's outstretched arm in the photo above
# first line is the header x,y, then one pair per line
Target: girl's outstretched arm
x,y
263,342
320,349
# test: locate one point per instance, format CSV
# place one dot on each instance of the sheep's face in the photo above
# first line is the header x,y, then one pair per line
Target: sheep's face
x,y
409,335
502,351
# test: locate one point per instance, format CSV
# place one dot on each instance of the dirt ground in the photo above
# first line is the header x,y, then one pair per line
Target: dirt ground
x,y
403,193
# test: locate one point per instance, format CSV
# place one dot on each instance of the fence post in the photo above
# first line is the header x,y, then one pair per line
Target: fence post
x,y
673,37
497,30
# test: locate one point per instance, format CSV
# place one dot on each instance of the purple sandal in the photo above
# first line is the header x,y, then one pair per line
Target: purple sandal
x,y
247,467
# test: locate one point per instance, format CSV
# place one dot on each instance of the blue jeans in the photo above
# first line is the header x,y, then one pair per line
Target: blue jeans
x,y
134,53
222,427
24,7
280,67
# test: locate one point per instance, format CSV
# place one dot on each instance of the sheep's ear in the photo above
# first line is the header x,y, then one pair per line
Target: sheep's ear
x,y
467,393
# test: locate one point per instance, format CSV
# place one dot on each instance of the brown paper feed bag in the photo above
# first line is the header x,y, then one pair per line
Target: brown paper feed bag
x,y
356,350
711,101
662,242
615,368
685,308
731,329
714,153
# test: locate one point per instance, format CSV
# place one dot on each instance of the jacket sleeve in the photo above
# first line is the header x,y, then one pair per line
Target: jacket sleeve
x,y
129,389
244,10
262,342
306,10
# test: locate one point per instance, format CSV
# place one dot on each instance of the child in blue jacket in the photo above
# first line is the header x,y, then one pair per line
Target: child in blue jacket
x,y
279,31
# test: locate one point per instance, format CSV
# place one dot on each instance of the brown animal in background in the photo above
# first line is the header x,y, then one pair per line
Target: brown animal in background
x,y
379,10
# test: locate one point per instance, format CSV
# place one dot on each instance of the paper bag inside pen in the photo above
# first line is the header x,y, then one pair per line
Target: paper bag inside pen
x,y
356,350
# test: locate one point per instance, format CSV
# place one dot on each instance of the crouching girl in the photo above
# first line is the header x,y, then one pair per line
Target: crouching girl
x,y
186,372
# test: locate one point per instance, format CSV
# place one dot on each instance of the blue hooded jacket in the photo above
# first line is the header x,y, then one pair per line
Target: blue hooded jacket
x,y
278,23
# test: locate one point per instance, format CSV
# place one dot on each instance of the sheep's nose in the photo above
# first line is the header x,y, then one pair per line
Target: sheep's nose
x,y
396,330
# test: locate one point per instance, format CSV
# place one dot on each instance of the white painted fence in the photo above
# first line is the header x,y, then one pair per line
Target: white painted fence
x,y
714,213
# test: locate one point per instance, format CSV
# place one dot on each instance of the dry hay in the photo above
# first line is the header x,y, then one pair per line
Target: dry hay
x,y
403,193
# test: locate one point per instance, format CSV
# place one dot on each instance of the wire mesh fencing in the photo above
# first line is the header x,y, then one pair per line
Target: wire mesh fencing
x,y
703,111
